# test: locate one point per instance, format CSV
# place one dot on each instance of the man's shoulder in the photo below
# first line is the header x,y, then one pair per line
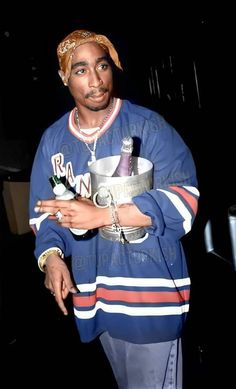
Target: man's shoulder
x,y
58,126
137,109
141,112
59,123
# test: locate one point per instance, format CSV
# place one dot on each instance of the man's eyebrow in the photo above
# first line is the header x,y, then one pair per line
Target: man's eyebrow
x,y
103,58
85,63
80,63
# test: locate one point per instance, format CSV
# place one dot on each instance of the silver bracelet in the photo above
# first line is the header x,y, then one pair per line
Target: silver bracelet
x,y
114,217
116,223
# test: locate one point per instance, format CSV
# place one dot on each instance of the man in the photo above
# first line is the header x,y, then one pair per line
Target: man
x,y
135,297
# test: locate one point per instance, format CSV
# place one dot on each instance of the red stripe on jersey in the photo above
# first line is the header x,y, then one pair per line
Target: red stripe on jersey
x,y
188,197
132,297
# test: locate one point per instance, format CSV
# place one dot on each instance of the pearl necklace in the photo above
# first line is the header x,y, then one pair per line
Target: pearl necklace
x,y
93,151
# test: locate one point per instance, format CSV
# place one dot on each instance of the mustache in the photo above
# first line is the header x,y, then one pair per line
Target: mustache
x,y
95,92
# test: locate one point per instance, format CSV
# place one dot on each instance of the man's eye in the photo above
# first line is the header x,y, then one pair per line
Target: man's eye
x,y
103,66
80,71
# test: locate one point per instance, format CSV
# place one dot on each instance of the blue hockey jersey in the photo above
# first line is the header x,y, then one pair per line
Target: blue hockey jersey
x,y
137,292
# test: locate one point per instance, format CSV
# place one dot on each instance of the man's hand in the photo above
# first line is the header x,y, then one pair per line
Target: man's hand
x,y
80,213
58,280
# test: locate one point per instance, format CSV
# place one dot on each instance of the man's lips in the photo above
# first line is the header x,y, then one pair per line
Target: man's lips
x,y
97,97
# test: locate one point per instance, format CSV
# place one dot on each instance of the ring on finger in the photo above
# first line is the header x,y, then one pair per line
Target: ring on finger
x,y
58,215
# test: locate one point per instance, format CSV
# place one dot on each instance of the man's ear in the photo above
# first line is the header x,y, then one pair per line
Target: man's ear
x,y
62,75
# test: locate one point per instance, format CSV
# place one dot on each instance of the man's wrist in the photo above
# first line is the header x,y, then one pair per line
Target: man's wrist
x,y
44,256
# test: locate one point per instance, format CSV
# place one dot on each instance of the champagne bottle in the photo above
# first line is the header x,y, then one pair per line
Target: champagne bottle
x,y
124,167
63,193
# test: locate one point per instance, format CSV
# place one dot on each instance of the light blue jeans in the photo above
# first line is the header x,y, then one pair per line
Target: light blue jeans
x,y
144,366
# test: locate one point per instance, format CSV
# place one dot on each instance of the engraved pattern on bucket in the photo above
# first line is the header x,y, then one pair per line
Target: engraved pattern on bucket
x,y
121,189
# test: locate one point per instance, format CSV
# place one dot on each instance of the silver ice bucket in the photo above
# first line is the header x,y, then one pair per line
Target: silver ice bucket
x,y
119,190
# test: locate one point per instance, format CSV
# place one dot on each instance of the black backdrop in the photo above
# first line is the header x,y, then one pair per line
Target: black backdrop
x,y
178,63
175,45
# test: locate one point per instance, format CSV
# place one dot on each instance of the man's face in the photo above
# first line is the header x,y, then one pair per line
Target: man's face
x,y
91,80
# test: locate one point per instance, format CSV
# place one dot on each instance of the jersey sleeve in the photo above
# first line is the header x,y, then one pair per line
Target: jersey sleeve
x,y
48,232
172,203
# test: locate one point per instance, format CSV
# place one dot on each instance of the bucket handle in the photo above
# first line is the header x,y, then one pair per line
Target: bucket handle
x,y
102,198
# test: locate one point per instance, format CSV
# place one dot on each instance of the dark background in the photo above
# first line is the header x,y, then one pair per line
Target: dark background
x,y
190,53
